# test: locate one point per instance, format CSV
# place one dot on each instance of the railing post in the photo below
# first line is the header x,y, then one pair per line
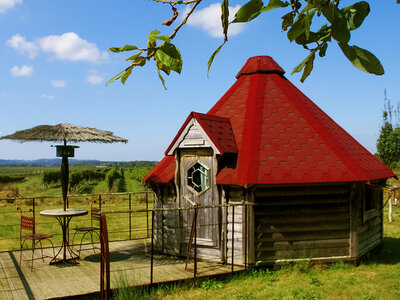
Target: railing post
x,y
195,241
100,201
147,213
130,216
152,247
233,234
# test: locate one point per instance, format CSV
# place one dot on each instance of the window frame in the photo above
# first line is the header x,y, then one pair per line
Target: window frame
x,y
372,193
208,171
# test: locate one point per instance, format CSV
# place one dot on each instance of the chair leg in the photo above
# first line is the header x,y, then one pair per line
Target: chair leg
x,y
80,246
73,238
41,249
20,257
91,238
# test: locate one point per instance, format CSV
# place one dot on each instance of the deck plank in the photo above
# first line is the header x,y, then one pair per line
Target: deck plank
x,y
130,265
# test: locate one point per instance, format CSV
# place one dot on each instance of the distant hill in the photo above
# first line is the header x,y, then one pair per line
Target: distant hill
x,y
57,162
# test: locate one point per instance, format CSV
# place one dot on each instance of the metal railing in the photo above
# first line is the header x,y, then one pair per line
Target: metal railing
x,y
229,252
131,225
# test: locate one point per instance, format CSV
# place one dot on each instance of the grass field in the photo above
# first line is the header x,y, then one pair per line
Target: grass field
x,y
49,197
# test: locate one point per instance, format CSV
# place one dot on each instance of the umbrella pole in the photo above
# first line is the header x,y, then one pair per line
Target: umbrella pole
x,y
64,179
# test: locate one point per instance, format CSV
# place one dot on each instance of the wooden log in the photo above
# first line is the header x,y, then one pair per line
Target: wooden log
x,y
298,245
304,190
304,218
296,210
369,241
301,227
274,201
303,236
308,253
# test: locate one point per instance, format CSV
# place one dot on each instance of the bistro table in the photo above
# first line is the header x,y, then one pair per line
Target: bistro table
x,y
63,217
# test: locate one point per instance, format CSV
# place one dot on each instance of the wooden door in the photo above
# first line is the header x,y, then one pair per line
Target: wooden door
x,y
197,186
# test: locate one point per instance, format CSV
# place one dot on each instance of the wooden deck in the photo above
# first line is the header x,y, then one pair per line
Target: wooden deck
x,y
130,266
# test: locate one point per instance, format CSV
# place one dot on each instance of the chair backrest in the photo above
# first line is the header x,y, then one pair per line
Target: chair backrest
x,y
27,223
94,213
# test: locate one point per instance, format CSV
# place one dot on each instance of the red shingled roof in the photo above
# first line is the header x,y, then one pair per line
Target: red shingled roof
x,y
283,137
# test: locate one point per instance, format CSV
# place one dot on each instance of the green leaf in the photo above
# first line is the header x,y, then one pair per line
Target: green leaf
x,y
124,48
116,77
322,50
133,57
161,78
287,20
362,59
322,35
153,36
274,4
225,18
170,56
249,11
340,32
308,67
210,61
308,62
300,26
127,73
355,14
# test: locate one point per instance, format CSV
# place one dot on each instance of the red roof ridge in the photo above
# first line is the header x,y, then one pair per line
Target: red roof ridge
x,y
260,65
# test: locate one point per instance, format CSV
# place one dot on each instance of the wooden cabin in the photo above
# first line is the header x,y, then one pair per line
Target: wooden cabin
x,y
311,190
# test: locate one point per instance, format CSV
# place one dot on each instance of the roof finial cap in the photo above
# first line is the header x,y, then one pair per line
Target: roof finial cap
x,y
260,65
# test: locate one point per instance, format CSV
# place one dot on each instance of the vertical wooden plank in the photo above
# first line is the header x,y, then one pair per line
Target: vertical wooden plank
x,y
251,241
353,238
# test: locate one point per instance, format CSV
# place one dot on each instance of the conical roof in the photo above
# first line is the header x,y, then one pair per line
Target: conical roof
x,y
283,137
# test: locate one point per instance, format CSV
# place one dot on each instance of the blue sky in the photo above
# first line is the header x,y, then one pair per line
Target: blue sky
x,y
55,64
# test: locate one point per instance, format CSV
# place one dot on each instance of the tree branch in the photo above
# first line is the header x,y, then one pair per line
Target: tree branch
x,y
197,2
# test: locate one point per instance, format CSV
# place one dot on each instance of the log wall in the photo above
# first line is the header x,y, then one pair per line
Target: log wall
x,y
167,228
235,222
302,222
367,224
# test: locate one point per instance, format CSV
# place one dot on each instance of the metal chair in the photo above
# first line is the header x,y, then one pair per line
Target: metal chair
x,y
94,217
28,224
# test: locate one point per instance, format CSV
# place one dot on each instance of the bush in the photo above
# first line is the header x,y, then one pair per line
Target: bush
x,y
51,178
10,179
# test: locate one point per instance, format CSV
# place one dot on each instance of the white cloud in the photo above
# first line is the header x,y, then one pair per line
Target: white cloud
x,y
46,96
93,77
58,83
21,71
69,46
7,4
209,20
20,44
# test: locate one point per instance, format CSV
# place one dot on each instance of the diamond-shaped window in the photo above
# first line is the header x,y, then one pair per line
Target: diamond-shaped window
x,y
198,178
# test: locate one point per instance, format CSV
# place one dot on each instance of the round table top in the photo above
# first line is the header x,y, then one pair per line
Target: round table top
x,y
59,212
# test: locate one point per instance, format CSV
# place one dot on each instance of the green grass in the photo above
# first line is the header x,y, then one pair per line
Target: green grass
x,y
48,198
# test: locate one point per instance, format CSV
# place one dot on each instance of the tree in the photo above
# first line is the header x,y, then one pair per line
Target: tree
x,y
388,144
296,18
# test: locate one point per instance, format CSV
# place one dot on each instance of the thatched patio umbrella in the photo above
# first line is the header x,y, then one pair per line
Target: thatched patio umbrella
x,y
64,133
